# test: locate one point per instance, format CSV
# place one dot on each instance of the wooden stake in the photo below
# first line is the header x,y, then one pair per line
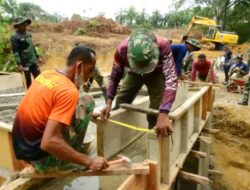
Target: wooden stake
x,y
194,178
211,131
207,140
198,154
215,172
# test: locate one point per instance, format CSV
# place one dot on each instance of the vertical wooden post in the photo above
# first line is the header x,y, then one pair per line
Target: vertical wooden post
x,y
99,138
185,125
165,159
197,116
154,176
210,98
204,106
204,163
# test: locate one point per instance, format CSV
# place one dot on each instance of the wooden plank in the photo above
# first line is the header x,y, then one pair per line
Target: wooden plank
x,y
22,184
6,126
204,84
215,172
205,145
178,164
165,153
185,125
135,182
17,164
198,154
207,140
6,158
211,131
194,178
197,115
210,99
143,182
139,168
204,106
154,179
181,110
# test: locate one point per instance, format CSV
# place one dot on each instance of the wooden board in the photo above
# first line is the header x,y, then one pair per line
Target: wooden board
x,y
22,184
139,168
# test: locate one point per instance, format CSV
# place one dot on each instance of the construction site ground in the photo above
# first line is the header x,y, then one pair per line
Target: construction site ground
x,y
230,149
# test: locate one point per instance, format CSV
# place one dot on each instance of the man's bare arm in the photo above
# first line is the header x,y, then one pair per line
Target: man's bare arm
x,y
54,143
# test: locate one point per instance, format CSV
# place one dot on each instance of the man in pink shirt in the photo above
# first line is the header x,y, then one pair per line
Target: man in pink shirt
x,y
204,69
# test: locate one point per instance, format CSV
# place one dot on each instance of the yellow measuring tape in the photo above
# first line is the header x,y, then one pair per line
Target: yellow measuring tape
x,y
132,127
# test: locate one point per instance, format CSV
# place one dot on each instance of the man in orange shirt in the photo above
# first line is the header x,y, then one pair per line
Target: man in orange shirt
x,y
41,132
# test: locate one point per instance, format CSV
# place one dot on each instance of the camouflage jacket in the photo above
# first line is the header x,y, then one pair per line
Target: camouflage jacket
x,y
23,49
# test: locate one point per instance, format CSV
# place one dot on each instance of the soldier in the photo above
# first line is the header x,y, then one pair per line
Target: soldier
x,y
24,51
148,59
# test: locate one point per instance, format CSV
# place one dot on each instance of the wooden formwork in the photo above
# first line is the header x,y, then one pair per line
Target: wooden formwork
x,y
188,121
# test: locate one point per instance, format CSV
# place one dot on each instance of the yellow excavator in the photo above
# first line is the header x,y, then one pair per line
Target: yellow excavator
x,y
212,33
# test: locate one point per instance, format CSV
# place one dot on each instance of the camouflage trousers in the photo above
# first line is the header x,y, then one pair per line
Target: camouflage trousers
x,y
73,135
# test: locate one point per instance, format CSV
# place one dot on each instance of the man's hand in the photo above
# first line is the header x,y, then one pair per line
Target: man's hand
x,y
40,61
163,125
98,163
183,77
106,110
95,115
19,68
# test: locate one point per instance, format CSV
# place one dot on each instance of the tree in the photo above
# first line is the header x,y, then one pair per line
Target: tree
x,y
120,17
31,10
142,17
131,15
76,17
220,8
10,7
156,19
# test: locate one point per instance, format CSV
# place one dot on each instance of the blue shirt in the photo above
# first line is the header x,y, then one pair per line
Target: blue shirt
x,y
242,66
179,51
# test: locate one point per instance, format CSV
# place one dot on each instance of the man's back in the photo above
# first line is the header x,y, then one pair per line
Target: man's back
x,y
51,96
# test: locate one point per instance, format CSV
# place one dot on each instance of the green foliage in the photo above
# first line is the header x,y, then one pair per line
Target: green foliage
x,y
93,24
80,31
7,62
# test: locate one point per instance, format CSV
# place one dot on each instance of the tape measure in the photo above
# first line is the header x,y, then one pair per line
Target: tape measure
x,y
132,127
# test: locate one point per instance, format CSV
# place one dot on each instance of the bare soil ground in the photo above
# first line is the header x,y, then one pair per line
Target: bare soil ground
x,y
232,146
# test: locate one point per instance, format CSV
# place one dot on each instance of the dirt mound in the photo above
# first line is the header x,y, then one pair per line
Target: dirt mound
x,y
231,147
233,119
92,27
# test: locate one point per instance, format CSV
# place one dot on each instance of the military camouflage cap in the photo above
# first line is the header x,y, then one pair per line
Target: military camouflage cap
x,y
195,43
143,52
21,20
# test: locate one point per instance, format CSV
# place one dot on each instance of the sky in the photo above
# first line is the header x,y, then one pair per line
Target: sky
x,y
91,8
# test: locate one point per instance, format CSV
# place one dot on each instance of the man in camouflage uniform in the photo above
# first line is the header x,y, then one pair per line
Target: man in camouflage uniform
x,y
97,76
24,51
148,60
245,95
